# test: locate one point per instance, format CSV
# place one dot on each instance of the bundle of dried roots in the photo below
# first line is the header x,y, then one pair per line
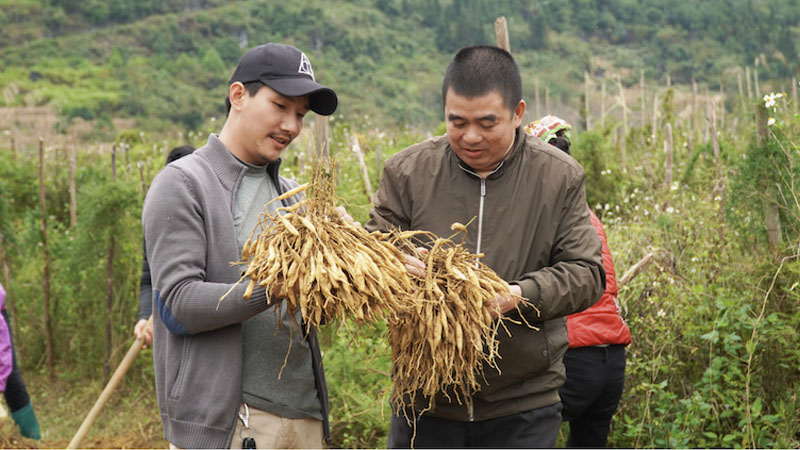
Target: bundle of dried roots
x,y
449,338
322,263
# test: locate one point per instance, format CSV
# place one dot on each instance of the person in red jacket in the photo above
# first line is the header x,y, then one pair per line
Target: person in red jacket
x,y
595,360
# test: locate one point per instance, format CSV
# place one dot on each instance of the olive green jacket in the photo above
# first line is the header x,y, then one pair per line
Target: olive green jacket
x,y
532,223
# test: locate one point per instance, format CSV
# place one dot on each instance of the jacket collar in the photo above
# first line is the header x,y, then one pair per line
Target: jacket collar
x,y
509,161
228,168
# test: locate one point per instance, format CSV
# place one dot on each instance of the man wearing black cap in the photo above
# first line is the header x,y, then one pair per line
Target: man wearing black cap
x,y
229,373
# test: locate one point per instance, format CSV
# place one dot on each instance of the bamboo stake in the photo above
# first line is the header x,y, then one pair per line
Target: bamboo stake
x,y
46,269
501,33
112,384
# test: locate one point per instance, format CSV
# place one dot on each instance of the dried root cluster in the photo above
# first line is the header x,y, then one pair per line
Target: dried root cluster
x,y
449,338
439,326
323,264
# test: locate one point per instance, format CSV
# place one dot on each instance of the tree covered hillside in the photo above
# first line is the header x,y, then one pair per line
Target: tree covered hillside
x,y
167,62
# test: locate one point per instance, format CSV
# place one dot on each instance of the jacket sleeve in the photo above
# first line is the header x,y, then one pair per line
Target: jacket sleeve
x,y
6,353
145,288
391,208
575,277
175,237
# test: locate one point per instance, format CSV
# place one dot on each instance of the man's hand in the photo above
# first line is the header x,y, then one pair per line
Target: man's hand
x,y
144,331
346,216
414,265
505,303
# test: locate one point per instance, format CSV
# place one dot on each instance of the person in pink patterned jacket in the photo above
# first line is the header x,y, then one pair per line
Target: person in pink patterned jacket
x,y
6,355
11,384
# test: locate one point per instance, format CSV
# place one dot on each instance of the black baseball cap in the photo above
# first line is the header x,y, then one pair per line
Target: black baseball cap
x,y
288,72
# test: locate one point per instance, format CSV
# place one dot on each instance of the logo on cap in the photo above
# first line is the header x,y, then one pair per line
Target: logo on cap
x,y
305,66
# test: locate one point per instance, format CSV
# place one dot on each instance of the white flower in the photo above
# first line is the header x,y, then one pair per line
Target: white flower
x,y
771,121
674,186
636,208
670,209
661,313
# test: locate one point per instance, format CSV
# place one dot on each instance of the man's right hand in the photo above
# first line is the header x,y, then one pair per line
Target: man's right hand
x,y
143,331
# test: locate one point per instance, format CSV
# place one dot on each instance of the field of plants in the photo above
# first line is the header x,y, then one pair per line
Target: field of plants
x,y
710,196
692,163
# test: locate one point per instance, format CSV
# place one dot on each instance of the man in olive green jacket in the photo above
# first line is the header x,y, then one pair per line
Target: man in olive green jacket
x,y
532,223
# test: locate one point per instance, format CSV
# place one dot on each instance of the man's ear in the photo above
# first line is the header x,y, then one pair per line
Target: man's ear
x,y
519,113
236,93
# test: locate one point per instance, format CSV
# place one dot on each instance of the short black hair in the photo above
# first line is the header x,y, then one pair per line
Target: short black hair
x,y
481,69
560,142
179,152
252,87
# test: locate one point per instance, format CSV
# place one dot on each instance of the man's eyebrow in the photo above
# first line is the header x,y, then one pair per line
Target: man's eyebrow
x,y
489,117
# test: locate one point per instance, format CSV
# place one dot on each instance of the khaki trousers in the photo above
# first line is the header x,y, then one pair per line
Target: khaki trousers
x,y
271,431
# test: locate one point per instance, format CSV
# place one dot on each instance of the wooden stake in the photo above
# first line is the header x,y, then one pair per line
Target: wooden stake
x,y
655,118
715,142
321,129
623,144
749,86
668,156
603,104
546,100
73,196
695,122
110,278
361,163
501,33
111,386
643,94
741,90
140,165
586,100
794,95
14,150
48,328
621,93
635,269
755,79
